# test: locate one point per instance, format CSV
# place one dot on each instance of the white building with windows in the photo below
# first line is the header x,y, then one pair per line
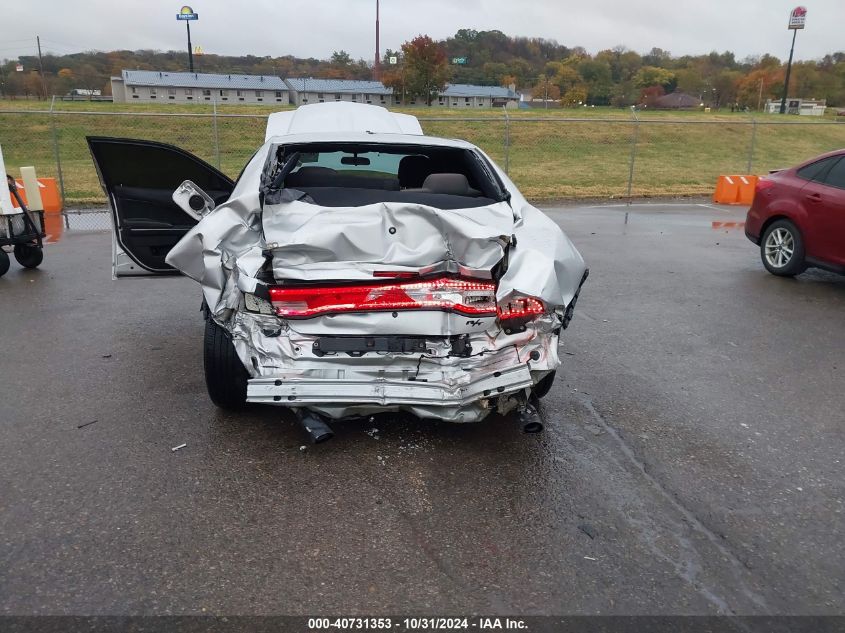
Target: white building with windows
x,y
803,107
305,90
473,97
166,87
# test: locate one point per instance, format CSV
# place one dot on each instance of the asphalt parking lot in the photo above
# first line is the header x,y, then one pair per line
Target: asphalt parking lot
x,y
692,460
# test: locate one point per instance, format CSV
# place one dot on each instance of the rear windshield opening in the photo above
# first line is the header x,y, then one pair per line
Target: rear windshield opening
x,y
346,175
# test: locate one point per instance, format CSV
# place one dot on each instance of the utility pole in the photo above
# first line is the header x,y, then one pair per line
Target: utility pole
x,y
377,65
760,96
41,66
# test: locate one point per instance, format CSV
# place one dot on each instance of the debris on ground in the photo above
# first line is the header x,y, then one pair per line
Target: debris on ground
x,y
106,356
588,529
82,426
178,448
373,433
303,448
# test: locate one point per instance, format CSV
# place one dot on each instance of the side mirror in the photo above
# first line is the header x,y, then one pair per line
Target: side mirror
x,y
193,200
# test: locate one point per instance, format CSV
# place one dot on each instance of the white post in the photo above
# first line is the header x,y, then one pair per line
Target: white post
x,y
32,188
5,197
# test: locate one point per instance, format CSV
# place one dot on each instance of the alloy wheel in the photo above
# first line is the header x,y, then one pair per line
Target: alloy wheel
x,y
779,247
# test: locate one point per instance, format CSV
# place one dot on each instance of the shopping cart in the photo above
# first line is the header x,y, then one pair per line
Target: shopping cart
x,y
23,232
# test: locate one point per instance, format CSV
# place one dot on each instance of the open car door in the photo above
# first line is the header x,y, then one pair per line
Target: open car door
x,y
139,178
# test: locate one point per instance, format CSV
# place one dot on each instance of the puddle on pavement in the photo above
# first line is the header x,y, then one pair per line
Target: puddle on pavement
x,y
56,225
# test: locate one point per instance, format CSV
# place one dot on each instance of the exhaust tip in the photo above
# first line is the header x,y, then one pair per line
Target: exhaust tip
x,y
530,419
533,427
318,435
315,426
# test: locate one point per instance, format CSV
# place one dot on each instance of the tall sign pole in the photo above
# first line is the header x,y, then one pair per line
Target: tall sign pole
x,y
377,65
187,14
797,19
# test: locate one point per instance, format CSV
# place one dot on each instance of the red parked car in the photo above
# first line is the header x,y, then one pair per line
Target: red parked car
x,y
798,217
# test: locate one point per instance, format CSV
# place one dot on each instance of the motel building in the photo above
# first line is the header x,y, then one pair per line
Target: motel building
x,y
168,87
473,97
305,90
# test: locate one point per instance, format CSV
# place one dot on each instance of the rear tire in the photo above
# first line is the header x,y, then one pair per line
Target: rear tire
x,y
4,262
225,376
782,249
28,256
543,387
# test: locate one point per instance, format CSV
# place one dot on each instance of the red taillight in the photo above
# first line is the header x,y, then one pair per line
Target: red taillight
x,y
455,295
521,309
763,184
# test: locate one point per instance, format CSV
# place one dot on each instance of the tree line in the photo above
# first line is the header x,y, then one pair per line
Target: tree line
x,y
548,70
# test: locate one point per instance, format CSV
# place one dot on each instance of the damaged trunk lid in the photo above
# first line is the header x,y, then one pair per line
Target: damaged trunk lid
x,y
396,268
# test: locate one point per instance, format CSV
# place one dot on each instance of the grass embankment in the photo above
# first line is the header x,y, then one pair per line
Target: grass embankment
x,y
677,153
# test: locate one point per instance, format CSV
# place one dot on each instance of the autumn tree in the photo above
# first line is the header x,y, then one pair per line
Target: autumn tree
x,y
89,79
597,79
653,76
425,70
545,89
574,97
650,95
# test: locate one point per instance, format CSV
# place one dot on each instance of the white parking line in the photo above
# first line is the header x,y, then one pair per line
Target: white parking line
x,y
710,206
642,205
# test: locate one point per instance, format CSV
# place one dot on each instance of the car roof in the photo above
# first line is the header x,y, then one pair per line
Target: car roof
x,y
341,116
366,138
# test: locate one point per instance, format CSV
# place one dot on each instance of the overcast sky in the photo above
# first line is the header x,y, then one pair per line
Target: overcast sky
x,y
315,28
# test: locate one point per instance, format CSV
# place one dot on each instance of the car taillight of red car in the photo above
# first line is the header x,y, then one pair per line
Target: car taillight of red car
x,y
763,184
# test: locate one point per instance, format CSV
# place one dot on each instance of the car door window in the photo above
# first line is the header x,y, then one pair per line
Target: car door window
x,y
815,171
835,177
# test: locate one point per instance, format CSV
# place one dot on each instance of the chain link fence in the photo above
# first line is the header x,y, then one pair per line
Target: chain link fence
x,y
549,158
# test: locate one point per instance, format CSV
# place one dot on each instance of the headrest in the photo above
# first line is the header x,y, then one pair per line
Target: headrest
x,y
452,184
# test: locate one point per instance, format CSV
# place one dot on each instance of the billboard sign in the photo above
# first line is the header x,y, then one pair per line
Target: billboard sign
x,y
393,59
797,18
187,13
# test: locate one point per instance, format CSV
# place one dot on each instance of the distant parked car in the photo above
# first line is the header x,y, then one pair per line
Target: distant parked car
x,y
798,217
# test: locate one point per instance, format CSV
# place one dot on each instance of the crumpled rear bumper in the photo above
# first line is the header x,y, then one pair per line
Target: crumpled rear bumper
x,y
383,392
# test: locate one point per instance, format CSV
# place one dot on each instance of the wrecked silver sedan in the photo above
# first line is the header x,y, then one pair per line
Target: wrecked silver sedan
x,y
355,267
